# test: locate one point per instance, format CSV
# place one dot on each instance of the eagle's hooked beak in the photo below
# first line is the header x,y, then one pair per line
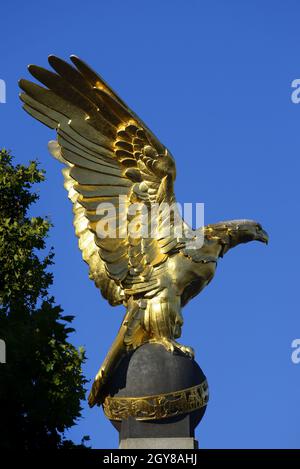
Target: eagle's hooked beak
x,y
262,236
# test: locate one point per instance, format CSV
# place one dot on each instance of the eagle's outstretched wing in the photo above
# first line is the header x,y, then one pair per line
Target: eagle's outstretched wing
x,y
108,152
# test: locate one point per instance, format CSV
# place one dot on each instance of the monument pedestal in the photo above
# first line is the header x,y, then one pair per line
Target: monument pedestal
x,y
172,433
158,443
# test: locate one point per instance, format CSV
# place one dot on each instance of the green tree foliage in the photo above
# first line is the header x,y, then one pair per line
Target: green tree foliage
x,y
41,384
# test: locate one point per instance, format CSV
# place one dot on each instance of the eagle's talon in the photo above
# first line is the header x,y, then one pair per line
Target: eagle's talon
x,y
189,351
171,346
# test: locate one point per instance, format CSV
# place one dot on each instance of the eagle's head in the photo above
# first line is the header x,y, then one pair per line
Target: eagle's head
x,y
231,233
243,231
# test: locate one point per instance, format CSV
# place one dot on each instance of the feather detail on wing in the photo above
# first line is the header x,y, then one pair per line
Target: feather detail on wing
x,y
90,251
108,152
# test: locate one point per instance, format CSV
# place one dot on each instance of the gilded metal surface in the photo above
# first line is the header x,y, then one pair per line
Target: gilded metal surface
x,y
109,152
157,407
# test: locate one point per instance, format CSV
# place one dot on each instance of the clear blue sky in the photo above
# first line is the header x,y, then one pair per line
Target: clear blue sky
x,y
213,81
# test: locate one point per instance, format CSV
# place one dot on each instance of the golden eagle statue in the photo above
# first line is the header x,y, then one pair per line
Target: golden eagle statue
x,y
112,158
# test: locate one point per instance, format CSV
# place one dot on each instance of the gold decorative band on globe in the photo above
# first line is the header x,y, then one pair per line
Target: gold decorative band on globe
x,y
160,406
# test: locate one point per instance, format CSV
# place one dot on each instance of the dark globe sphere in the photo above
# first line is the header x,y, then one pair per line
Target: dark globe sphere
x,y
152,370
